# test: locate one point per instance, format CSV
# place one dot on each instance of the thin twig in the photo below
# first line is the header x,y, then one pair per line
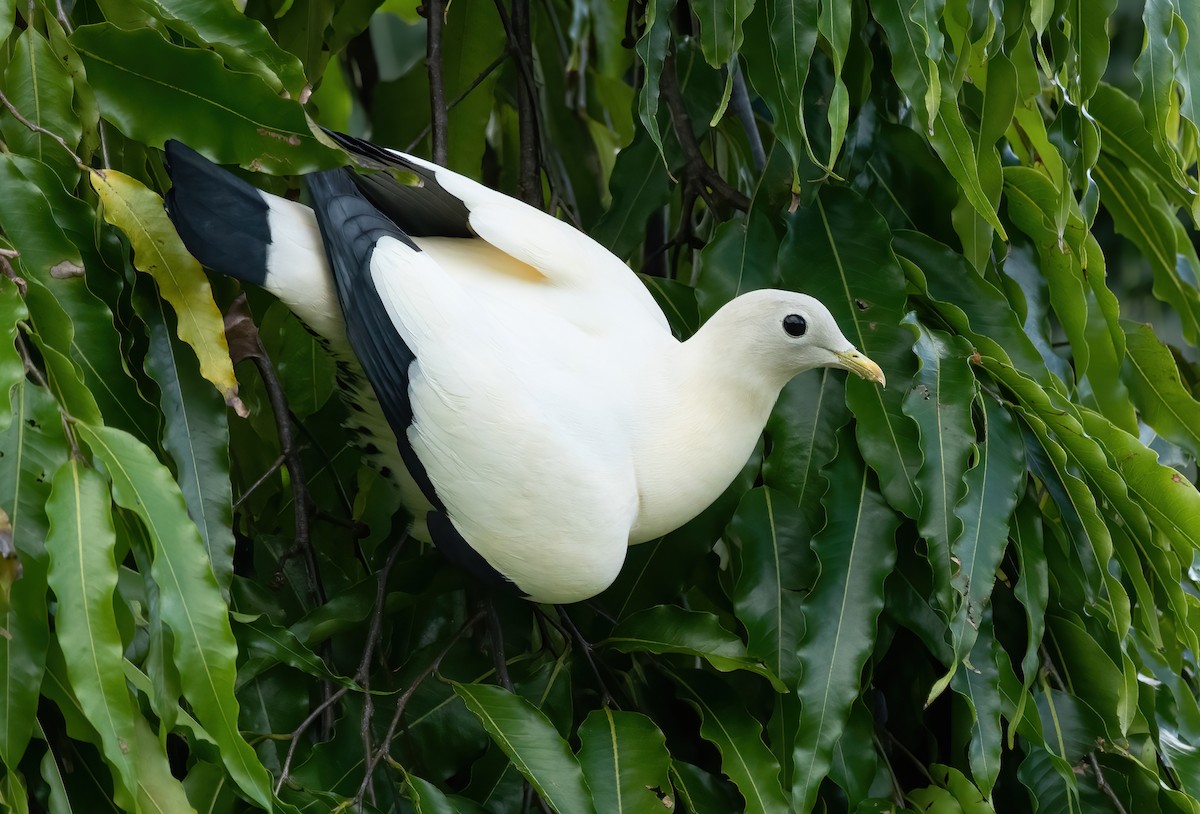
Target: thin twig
x,y
363,676
37,128
263,478
245,343
402,703
9,273
476,82
529,185
1103,784
64,415
436,15
364,665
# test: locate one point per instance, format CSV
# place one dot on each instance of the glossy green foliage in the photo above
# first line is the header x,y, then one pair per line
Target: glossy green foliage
x,y
972,591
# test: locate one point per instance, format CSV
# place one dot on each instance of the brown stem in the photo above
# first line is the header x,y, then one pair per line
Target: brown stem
x,y
401,703
37,128
516,29
717,193
1102,783
435,13
244,343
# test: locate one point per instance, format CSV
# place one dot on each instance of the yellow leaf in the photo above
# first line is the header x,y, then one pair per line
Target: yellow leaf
x,y
158,251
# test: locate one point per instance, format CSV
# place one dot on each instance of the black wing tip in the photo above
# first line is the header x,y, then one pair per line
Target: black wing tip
x,y
454,547
221,218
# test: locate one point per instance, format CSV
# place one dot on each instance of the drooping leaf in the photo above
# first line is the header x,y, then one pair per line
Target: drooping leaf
x,y
1152,376
191,603
83,575
41,89
726,724
32,448
532,744
624,759
243,43
671,629
940,403
774,564
196,435
856,550
149,87
652,50
838,250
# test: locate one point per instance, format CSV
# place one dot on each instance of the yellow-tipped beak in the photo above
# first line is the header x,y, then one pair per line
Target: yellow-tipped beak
x,y
857,363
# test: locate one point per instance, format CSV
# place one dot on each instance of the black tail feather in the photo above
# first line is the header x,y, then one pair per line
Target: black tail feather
x,y
221,218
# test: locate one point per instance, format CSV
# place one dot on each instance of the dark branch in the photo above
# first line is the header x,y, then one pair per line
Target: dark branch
x,y
244,343
435,13
717,193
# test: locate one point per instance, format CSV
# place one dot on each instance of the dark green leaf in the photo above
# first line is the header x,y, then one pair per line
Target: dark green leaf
x,y
149,88
532,744
856,550
625,760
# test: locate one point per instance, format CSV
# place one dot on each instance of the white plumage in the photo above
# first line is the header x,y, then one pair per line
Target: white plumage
x,y
521,365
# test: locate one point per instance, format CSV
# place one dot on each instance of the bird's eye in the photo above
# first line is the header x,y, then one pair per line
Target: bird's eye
x,y
795,325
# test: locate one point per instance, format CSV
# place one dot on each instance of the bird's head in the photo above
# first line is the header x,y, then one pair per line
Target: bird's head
x,y
789,333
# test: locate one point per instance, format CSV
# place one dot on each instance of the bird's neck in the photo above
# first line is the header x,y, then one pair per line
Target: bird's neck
x,y
702,411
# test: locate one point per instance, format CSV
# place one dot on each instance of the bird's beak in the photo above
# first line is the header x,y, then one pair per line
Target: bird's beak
x,y
858,363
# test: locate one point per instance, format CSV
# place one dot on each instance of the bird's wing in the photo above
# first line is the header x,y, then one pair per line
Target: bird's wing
x,y
529,246
499,422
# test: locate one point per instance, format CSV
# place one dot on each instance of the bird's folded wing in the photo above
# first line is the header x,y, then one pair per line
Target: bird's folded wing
x,y
428,201
353,230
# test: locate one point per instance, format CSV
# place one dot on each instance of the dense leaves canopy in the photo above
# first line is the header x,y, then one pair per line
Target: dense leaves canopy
x,y
970,592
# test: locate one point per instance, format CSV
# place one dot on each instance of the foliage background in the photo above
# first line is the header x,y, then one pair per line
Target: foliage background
x,y
972,591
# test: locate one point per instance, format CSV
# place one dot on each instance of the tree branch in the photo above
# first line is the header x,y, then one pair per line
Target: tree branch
x,y
715,190
435,13
244,343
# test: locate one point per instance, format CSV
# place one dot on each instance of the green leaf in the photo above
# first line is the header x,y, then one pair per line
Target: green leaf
x,y
625,761
242,42
721,28
12,368
40,88
940,404
838,250
773,565
190,601
652,50
31,449
196,433
307,371
780,38
470,41
726,724
802,430
56,234
146,86
1155,69
532,744
639,187
1125,137
672,629
834,24
83,575
1032,204
1141,214
978,682
994,484
739,258
1152,376
426,797
857,549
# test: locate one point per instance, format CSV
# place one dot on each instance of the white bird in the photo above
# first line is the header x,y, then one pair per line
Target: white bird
x,y
520,372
